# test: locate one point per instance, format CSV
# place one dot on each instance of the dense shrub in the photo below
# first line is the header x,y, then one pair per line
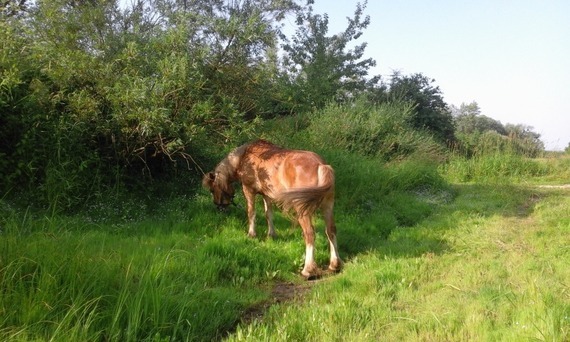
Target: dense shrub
x,y
95,96
481,135
493,168
491,142
92,94
382,130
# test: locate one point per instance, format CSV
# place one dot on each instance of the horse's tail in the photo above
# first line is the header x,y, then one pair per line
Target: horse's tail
x,y
307,200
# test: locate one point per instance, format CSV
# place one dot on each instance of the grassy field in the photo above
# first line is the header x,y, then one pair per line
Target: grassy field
x,y
492,265
427,258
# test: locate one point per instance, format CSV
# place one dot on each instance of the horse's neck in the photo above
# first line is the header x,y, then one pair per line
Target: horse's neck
x,y
229,165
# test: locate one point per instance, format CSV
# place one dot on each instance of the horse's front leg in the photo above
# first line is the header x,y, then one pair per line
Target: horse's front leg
x,y
269,216
250,200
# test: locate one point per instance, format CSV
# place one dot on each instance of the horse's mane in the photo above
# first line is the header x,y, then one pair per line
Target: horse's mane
x,y
226,169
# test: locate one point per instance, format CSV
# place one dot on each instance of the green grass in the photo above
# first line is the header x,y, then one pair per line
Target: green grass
x,y
496,167
425,260
174,268
490,266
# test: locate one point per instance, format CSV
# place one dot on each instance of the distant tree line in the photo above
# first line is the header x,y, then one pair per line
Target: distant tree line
x,y
93,90
480,134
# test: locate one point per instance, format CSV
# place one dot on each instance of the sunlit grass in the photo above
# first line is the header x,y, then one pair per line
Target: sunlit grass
x,y
135,268
424,261
109,282
489,266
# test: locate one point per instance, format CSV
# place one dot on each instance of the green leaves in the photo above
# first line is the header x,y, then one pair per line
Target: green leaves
x,y
122,89
138,87
431,112
481,135
320,67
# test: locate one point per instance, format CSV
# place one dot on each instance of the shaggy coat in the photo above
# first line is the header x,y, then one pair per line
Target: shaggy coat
x,y
298,181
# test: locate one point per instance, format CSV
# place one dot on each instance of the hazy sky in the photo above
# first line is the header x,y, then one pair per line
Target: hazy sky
x,y
511,57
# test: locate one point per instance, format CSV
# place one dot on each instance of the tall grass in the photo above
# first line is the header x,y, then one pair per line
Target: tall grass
x,y
165,265
101,283
497,167
151,267
381,131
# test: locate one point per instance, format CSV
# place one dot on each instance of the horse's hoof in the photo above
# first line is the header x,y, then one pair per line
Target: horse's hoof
x,y
313,274
312,277
334,269
335,266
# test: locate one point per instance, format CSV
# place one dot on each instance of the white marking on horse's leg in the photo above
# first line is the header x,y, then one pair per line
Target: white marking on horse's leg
x,y
310,267
269,217
251,226
335,261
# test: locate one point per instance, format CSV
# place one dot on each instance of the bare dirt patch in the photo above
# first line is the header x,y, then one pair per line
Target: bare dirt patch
x,y
281,293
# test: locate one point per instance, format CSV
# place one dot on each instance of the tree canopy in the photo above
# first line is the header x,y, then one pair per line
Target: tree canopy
x,y
94,90
478,133
320,67
431,112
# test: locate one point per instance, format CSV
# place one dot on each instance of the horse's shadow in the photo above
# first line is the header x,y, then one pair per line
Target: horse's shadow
x,y
426,236
352,242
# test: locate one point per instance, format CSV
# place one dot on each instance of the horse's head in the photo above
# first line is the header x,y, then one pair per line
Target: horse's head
x,y
221,188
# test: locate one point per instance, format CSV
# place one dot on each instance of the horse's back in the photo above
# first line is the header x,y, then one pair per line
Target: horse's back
x,y
301,169
271,169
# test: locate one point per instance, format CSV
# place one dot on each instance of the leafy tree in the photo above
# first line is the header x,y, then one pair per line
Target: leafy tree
x,y
480,134
11,8
321,68
468,120
431,112
237,40
91,91
470,109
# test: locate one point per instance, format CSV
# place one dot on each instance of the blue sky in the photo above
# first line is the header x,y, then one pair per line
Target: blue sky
x,y
511,57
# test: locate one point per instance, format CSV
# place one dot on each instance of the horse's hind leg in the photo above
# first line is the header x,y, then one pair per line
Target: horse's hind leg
x,y
269,217
310,268
327,208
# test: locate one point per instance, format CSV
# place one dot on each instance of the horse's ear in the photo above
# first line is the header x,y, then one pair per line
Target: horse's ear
x,y
208,180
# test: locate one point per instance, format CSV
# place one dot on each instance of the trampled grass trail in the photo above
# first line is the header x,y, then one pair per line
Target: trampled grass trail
x,y
490,265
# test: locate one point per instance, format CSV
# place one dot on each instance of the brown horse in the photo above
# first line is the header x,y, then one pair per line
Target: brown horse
x,y
298,181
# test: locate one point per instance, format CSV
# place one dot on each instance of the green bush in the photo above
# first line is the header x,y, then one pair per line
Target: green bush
x,y
382,131
91,95
493,167
491,142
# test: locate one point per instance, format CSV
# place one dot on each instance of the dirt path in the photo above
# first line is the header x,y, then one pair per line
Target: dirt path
x,y
282,292
563,186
